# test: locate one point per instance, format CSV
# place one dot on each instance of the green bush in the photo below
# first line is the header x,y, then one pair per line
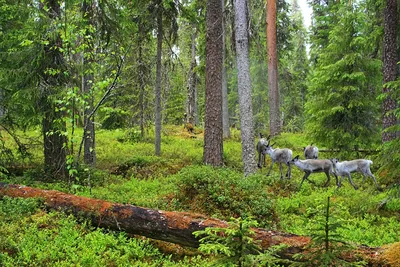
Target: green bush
x,y
223,193
12,208
113,118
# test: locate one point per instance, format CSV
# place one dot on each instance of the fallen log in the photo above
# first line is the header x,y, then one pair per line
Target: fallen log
x,y
175,227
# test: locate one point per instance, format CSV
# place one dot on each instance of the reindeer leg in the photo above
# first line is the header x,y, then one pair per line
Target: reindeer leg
x,y
369,173
305,177
329,179
340,182
351,182
337,179
270,168
280,168
288,171
259,160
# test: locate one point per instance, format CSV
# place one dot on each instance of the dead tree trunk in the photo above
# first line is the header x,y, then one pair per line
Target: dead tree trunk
x,y
175,227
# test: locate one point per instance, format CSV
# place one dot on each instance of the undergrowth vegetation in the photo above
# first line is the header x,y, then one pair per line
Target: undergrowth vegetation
x,y
128,172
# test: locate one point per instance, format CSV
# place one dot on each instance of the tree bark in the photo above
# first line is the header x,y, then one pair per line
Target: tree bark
x,y
53,127
225,109
213,141
244,88
273,91
192,92
89,152
390,59
175,227
158,107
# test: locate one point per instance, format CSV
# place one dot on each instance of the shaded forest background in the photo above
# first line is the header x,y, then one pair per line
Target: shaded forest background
x,y
138,64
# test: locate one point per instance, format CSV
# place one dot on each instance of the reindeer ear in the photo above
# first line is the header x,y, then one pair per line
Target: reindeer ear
x,y
273,144
268,137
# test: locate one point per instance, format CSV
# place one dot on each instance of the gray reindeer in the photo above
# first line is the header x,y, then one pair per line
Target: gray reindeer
x,y
311,152
280,155
314,166
261,146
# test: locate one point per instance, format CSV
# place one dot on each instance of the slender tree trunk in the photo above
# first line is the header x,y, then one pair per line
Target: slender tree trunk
x,y
225,109
273,91
53,127
191,106
1,103
89,152
158,107
390,59
141,91
244,88
213,142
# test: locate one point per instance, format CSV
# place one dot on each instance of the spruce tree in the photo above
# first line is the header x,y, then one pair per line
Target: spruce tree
x,y
341,106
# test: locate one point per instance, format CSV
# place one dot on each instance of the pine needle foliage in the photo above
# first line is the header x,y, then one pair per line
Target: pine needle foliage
x,y
328,246
232,244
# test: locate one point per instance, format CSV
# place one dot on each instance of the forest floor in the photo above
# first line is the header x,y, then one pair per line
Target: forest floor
x,y
128,172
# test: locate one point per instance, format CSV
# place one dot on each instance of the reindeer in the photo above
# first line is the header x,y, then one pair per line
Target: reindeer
x,y
283,155
314,166
344,168
311,152
261,145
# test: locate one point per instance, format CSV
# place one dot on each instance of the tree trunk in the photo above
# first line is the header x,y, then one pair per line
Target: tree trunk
x,y
158,106
53,141
141,90
390,59
225,110
213,142
89,152
273,91
191,105
53,127
175,227
244,88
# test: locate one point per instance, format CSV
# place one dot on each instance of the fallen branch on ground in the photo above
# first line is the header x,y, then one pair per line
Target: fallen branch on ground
x,y
175,227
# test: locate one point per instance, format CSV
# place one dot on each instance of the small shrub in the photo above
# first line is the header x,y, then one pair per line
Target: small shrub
x,y
223,192
234,244
328,245
113,118
12,208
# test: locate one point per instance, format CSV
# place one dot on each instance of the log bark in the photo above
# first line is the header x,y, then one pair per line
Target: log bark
x,y
175,227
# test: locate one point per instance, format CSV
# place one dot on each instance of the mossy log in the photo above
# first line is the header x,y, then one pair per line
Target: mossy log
x,y
175,227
